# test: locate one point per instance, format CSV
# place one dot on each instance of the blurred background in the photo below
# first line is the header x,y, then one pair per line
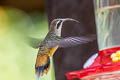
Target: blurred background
x,y
20,18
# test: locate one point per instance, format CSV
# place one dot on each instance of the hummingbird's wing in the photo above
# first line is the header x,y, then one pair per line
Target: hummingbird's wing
x,y
73,41
34,42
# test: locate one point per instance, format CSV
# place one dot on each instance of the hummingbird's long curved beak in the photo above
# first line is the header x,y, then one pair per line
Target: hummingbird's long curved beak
x,y
69,19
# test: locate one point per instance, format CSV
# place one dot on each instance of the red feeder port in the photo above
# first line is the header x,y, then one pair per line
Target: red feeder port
x,y
103,68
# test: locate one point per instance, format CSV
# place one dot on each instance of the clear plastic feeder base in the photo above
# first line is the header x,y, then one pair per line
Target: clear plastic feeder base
x,y
103,76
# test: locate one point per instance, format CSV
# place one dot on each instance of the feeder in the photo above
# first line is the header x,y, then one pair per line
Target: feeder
x,y
106,65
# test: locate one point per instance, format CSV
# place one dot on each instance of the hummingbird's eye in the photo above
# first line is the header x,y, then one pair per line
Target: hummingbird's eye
x,y
58,24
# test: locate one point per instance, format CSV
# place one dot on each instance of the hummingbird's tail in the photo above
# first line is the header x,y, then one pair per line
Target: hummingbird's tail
x,y
38,75
40,70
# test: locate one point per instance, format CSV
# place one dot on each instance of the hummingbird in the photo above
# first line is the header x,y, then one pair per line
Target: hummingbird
x,y
52,42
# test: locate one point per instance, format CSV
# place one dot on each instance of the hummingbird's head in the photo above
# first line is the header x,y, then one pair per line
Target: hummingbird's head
x,y
56,24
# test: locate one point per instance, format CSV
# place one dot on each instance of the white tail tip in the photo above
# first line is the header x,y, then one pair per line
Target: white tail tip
x,y
38,76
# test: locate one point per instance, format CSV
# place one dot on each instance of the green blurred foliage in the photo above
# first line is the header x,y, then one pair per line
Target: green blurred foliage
x,y
17,59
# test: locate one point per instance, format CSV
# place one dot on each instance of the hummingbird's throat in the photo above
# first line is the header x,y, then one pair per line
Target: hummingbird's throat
x,y
58,32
